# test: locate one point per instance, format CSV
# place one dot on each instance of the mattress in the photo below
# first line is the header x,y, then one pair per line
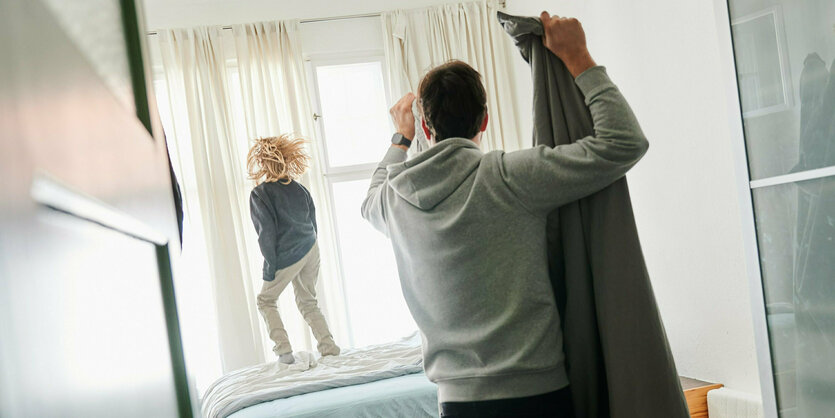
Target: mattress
x,y
310,374
412,396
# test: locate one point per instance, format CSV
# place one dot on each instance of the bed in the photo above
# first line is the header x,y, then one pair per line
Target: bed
x,y
404,396
384,380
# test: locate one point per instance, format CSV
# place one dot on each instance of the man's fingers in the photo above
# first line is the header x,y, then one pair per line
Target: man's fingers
x,y
403,105
406,101
400,102
544,17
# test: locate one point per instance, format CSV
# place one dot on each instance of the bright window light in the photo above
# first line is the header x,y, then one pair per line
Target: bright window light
x,y
354,112
376,309
192,282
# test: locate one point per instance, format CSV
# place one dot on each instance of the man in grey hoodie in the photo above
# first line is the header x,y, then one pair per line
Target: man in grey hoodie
x,y
468,231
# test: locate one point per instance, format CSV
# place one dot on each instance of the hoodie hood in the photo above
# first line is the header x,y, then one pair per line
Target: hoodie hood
x,y
430,177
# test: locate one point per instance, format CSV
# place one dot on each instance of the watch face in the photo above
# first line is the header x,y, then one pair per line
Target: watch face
x,y
397,139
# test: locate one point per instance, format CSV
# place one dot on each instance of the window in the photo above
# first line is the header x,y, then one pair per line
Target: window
x,y
352,123
354,117
350,96
761,59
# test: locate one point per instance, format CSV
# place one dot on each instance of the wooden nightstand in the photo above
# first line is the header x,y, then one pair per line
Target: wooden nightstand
x,y
695,392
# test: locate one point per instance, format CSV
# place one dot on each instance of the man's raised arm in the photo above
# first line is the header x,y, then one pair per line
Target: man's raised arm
x,y
372,207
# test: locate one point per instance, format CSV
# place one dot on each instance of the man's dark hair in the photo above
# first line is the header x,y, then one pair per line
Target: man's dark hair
x,y
453,100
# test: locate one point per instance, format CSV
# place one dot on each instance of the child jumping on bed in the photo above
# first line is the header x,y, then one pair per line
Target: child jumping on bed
x,y
285,219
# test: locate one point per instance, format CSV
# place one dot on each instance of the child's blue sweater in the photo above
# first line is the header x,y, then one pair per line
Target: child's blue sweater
x,y
285,219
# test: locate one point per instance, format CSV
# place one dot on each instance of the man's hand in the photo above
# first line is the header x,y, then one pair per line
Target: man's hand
x,y
564,36
401,114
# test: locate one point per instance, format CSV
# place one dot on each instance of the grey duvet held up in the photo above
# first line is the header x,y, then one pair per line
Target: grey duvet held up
x,y
618,359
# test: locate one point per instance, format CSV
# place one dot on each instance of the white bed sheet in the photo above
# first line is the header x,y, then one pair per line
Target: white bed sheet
x,y
270,381
410,396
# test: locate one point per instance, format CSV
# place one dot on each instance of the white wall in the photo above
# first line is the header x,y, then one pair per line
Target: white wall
x,y
664,56
342,36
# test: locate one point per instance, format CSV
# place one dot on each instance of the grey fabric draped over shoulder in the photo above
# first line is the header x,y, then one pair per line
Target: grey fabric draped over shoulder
x,y
618,359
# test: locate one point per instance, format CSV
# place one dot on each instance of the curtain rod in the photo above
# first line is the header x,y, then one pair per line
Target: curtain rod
x,y
501,3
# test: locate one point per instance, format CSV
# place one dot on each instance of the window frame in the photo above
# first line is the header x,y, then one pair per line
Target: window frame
x,y
340,58
339,174
776,14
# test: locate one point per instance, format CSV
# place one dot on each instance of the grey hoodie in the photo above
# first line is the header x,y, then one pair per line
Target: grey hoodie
x,y
468,231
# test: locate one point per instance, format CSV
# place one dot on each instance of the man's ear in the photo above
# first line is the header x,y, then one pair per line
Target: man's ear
x,y
425,129
484,123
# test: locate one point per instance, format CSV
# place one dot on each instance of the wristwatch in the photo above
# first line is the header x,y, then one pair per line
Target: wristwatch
x,y
399,139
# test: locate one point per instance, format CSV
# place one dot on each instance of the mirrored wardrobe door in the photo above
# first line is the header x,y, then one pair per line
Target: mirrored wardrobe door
x,y
784,52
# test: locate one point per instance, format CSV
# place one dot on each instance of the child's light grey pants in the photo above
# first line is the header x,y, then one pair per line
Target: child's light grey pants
x,y
304,275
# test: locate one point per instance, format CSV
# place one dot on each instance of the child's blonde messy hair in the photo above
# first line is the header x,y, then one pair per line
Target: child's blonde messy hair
x,y
277,158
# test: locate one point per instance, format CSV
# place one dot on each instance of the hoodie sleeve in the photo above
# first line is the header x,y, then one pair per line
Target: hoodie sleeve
x,y
265,225
372,208
545,178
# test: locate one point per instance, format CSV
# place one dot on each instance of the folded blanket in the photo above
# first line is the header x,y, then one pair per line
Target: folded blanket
x,y
274,380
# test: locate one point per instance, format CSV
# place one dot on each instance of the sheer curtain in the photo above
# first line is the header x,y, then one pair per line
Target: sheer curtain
x,y
222,89
205,153
417,40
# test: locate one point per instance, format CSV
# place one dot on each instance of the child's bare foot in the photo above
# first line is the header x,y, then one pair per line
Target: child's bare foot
x,y
286,358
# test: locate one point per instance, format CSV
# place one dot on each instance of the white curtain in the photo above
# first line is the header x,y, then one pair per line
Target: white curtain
x,y
224,88
417,40
205,152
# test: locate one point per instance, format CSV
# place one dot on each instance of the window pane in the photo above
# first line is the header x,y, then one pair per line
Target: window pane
x,y
760,80
784,53
376,308
796,233
355,117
